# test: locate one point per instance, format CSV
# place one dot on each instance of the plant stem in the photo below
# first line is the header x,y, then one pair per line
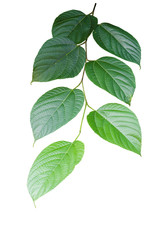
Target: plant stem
x,y
92,13
84,65
86,102
80,129
85,97
86,51
81,78
81,82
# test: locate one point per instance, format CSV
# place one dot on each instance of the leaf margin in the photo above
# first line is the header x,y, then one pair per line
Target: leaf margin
x,y
30,183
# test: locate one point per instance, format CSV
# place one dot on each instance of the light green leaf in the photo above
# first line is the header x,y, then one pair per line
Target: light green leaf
x,y
118,42
54,109
117,124
74,25
52,166
58,58
113,76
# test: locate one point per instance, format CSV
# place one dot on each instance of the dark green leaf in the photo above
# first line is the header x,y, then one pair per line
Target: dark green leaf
x,y
113,76
94,22
118,42
52,166
73,24
54,109
58,58
118,125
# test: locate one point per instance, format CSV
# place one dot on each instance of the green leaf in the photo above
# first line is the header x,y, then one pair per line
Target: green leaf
x,y
94,22
74,25
58,58
118,42
113,76
52,166
118,125
54,109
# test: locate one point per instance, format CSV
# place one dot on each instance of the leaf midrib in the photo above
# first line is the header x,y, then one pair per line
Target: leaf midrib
x,y
51,116
111,77
59,163
116,40
77,24
51,65
127,68
116,129
82,14
40,102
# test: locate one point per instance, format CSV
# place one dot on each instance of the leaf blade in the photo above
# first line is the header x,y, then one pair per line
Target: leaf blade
x,y
94,22
118,42
52,166
54,109
112,75
117,124
74,25
58,58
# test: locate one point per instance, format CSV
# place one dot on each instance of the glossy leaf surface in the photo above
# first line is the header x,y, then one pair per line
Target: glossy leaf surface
x,y
118,42
58,58
118,125
113,76
54,109
52,166
74,25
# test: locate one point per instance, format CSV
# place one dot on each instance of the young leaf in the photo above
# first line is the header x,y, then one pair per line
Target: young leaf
x,y
58,58
113,76
54,109
52,166
118,42
74,25
118,125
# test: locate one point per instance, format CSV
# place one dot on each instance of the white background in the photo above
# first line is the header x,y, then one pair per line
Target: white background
x,y
112,194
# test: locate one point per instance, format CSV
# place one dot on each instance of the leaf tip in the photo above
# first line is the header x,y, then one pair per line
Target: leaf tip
x,y
34,143
139,153
129,102
34,203
31,82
